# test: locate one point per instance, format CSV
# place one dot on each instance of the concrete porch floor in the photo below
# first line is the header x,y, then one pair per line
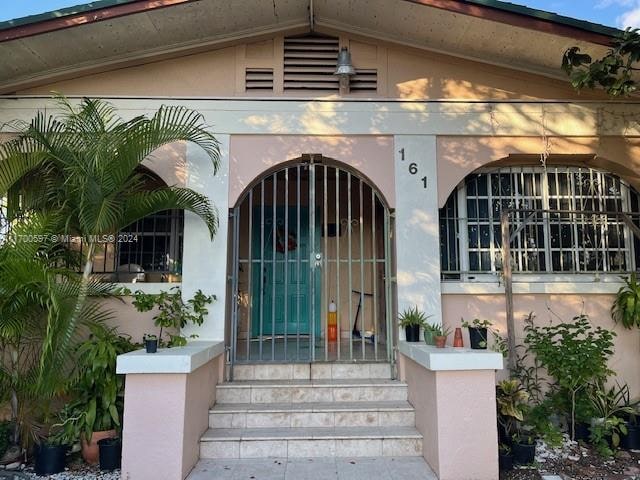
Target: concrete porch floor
x,y
325,468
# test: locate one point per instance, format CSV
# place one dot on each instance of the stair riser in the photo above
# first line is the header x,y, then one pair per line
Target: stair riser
x,y
312,371
386,447
296,394
311,419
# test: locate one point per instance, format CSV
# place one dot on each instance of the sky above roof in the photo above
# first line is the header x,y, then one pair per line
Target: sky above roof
x,y
613,13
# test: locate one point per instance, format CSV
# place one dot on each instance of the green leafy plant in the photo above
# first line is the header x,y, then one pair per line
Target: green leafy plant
x,y
41,324
477,323
441,331
614,71
99,391
511,401
173,312
626,306
574,354
413,316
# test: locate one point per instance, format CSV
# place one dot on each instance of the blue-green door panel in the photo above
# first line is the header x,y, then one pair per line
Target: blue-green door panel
x,y
272,289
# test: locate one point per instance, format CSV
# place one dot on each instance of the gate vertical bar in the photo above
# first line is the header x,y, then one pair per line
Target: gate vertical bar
x,y
234,287
262,272
325,272
349,265
286,260
274,265
312,258
338,260
298,265
374,273
250,276
362,295
387,283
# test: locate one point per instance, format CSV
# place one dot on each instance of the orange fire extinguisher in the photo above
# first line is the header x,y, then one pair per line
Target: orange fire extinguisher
x,y
332,322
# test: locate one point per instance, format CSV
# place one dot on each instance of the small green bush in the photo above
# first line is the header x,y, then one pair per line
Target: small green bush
x,y
5,433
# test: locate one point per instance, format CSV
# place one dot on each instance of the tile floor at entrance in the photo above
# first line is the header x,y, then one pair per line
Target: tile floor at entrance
x,y
387,468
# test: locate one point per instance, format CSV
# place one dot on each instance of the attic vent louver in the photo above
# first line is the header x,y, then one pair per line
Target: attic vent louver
x,y
365,80
309,63
259,79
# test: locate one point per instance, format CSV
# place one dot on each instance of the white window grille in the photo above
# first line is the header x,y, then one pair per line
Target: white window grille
x,y
565,220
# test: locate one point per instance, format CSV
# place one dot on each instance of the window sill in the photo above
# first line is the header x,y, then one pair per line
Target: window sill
x,y
524,288
147,287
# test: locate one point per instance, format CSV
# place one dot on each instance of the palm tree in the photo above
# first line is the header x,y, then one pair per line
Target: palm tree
x,y
38,295
84,165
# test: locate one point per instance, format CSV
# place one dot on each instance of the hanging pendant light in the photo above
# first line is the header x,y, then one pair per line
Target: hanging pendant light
x,y
344,68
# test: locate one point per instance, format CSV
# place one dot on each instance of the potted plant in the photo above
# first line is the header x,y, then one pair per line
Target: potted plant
x,y
429,330
524,447
631,440
610,406
412,319
150,343
173,314
626,306
505,457
50,451
110,453
99,390
440,334
478,330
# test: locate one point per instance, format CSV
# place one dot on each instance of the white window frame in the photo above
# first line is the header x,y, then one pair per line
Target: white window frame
x,y
548,201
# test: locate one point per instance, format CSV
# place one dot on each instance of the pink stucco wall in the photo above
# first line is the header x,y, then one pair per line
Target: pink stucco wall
x,y
164,417
551,308
252,155
456,414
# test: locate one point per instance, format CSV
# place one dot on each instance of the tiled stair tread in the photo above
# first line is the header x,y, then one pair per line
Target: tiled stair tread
x,y
309,433
351,382
391,406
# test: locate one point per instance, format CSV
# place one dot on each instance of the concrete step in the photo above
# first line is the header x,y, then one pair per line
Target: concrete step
x,y
297,391
312,414
311,371
311,442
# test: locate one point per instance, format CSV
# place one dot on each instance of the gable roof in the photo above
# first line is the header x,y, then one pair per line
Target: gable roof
x,y
109,34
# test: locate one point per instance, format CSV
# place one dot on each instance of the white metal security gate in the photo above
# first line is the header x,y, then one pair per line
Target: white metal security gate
x,y
306,236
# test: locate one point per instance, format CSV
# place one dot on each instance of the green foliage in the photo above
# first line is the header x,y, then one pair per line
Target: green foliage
x,y
38,328
173,312
477,323
513,410
99,392
440,331
626,306
614,71
413,316
574,354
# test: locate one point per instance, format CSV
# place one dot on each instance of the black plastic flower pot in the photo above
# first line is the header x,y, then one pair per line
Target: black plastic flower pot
x,y
110,453
524,453
582,432
478,338
49,459
151,345
505,461
412,333
631,441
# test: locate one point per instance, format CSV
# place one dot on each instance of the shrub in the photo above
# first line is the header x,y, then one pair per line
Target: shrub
x,y
574,354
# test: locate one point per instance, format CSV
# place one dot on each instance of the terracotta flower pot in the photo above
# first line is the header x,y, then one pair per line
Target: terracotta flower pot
x,y
90,451
441,341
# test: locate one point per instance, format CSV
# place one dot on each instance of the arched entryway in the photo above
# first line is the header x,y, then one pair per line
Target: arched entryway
x,y
308,236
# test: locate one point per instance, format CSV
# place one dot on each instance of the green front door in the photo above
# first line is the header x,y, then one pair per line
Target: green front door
x,y
281,274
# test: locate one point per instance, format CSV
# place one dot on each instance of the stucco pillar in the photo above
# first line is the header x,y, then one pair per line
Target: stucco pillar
x,y
453,393
417,225
204,262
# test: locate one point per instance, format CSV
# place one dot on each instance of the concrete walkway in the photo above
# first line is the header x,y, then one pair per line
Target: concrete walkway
x,y
326,468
